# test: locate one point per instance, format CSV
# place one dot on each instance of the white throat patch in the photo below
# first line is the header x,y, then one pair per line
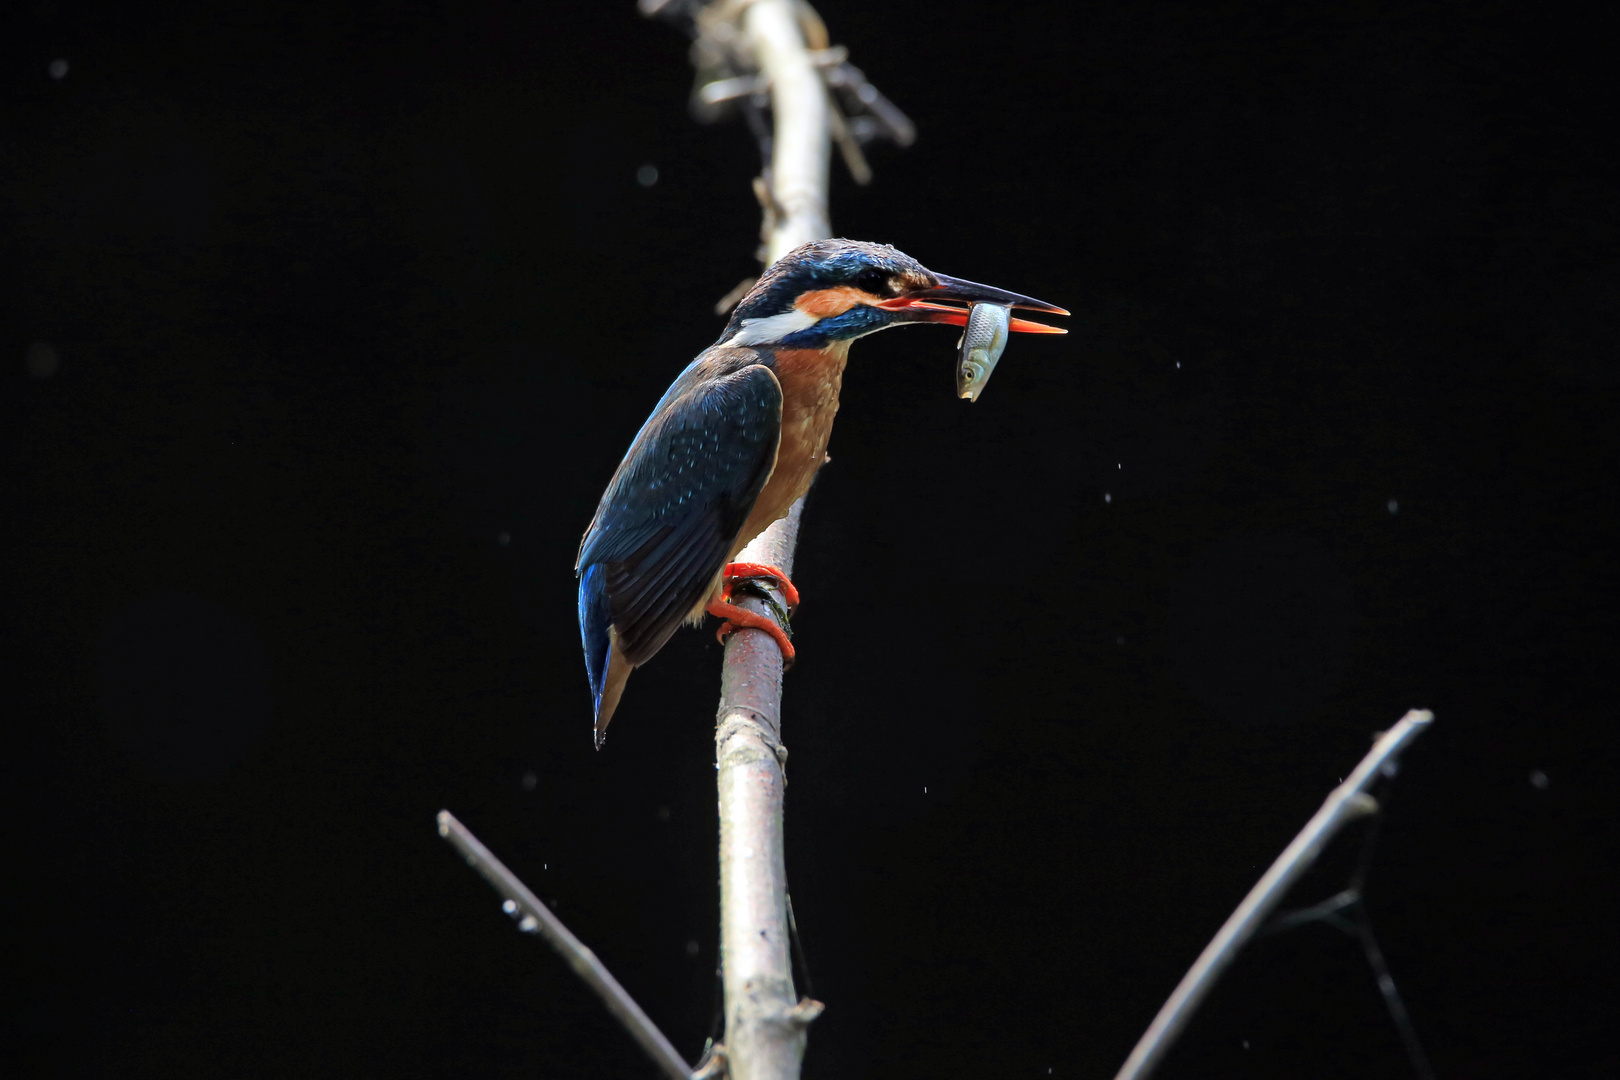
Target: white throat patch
x,y
772,328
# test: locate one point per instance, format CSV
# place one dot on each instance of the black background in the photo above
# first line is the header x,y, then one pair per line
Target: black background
x,y
309,306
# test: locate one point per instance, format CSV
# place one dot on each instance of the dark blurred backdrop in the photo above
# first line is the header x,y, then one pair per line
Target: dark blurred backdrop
x,y
324,327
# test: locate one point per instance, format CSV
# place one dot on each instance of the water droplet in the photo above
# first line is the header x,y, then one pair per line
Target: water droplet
x,y
58,69
510,907
747,852
1107,498
647,175
925,790
528,925
1245,1044
1394,507
1539,780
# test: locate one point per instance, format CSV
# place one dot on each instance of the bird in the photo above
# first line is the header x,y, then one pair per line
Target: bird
x,y
735,441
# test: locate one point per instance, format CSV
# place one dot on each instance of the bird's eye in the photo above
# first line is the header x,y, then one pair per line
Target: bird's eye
x,y
875,282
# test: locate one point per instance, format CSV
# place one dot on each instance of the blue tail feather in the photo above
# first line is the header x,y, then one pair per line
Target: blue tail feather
x,y
594,623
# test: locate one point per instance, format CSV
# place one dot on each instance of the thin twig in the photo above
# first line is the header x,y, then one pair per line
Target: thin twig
x,y
535,917
849,148
1346,802
1331,908
1391,995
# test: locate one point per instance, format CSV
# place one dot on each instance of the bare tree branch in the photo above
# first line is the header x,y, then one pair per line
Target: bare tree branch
x,y
765,1022
534,917
1347,802
744,50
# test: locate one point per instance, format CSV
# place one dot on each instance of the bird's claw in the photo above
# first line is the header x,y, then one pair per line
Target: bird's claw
x,y
737,618
755,572
761,580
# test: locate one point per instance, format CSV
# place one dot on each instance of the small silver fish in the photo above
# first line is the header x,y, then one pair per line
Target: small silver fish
x,y
983,339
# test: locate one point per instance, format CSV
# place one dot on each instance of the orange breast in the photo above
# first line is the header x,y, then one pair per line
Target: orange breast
x,y
811,379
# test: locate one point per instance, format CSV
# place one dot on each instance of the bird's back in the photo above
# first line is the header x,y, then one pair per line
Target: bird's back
x,y
669,518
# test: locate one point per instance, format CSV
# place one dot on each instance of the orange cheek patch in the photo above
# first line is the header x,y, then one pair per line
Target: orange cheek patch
x,y
827,303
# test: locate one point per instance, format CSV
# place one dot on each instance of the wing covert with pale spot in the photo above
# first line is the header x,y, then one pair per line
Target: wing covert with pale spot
x,y
668,519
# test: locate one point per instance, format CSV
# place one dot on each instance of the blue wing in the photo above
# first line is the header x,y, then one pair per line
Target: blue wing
x,y
674,508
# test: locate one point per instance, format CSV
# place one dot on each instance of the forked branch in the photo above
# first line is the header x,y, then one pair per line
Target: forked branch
x,y
1347,802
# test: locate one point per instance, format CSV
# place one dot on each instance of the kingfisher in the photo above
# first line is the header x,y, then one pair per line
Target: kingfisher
x,y
735,442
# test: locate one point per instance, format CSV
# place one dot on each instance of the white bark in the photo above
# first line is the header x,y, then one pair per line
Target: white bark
x,y
765,1023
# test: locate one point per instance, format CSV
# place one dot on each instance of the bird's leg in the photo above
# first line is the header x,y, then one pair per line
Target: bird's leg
x,y
737,618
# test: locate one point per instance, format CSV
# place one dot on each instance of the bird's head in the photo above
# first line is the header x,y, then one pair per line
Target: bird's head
x,y
828,291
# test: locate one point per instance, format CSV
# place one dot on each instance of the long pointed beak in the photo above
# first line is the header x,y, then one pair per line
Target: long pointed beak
x,y
921,302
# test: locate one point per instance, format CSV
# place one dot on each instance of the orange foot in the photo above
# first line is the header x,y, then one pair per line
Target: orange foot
x,y
747,571
736,618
